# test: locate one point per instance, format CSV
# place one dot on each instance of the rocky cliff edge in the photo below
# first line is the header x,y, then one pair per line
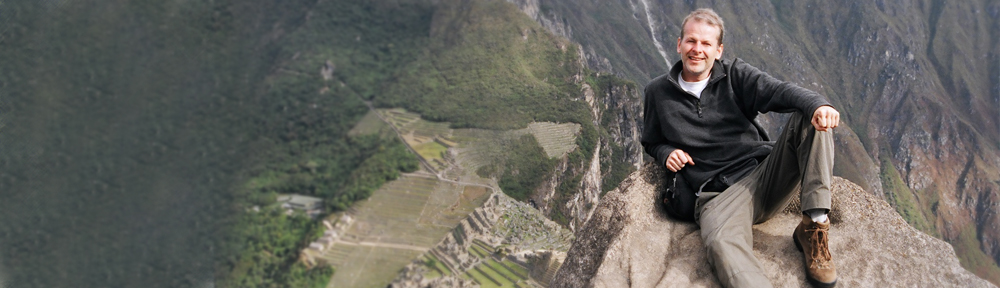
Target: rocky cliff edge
x,y
630,242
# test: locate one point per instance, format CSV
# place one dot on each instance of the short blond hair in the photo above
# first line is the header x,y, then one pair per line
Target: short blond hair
x,y
707,16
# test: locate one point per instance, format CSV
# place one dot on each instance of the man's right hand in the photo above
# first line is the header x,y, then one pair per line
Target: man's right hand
x,y
677,160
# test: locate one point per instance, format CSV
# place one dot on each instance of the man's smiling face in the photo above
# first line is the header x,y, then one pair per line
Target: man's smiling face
x,y
698,48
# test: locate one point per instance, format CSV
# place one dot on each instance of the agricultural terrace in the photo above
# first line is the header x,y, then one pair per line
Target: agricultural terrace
x,y
520,228
400,221
493,270
557,139
377,267
475,147
405,218
479,147
429,139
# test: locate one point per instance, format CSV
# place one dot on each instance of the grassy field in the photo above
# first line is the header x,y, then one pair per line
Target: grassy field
x,y
433,151
485,146
377,268
370,124
395,212
414,211
429,139
557,139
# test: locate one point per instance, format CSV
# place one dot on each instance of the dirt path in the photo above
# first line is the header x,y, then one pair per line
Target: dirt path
x,y
383,245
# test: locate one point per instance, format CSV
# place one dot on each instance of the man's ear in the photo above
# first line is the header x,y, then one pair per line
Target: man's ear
x,y
678,45
720,53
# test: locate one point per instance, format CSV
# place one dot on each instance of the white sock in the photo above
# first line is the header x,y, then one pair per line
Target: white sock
x,y
817,215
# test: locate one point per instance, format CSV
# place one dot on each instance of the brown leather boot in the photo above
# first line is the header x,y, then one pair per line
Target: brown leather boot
x,y
811,238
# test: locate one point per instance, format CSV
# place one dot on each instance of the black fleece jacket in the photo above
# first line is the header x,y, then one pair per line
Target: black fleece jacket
x,y
719,130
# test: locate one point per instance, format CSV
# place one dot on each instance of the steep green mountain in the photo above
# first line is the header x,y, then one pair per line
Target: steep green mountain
x,y
612,40
916,83
144,144
487,66
121,122
137,138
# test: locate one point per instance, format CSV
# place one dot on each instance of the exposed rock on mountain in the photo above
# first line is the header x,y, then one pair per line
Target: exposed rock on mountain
x,y
915,81
616,107
613,40
631,242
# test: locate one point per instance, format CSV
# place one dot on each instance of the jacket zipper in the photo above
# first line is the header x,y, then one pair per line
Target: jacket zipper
x,y
699,108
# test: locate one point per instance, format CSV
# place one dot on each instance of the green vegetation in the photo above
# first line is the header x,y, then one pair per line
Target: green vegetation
x,y
920,215
281,237
479,251
127,125
437,269
502,270
521,169
139,137
903,200
397,214
273,241
973,258
630,51
493,273
530,80
312,153
370,124
515,268
430,150
381,265
481,278
614,166
572,177
459,233
556,139
489,66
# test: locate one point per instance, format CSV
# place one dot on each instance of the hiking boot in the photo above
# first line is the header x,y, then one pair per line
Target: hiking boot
x,y
811,238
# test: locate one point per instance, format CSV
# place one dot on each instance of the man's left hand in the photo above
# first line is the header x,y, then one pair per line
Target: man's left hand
x,y
825,118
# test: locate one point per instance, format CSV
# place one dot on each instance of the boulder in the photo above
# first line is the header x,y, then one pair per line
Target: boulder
x,y
630,242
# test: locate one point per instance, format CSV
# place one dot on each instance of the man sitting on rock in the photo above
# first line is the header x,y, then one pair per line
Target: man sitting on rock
x,y
725,174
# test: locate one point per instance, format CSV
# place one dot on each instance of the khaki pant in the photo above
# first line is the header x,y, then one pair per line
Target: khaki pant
x,y
801,155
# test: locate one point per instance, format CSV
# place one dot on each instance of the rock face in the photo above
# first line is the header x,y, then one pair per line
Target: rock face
x,y
915,81
630,242
616,108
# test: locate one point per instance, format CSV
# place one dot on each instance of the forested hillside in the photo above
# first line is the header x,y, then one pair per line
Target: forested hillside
x,y
138,135
144,144
122,124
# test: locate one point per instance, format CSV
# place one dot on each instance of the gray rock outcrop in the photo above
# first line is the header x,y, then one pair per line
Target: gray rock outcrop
x,y
630,242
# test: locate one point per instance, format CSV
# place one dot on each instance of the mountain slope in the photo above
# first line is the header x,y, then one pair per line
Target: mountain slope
x,y
916,81
139,136
122,122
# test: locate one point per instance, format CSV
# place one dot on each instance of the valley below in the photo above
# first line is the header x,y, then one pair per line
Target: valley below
x,y
442,213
